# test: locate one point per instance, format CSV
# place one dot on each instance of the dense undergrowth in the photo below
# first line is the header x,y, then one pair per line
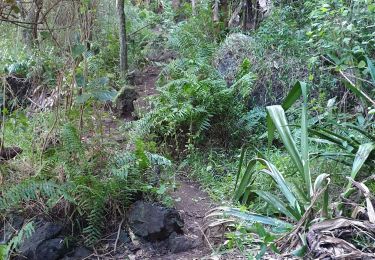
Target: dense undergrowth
x,y
280,156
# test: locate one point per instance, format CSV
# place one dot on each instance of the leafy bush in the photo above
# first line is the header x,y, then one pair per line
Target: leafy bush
x,y
193,105
70,173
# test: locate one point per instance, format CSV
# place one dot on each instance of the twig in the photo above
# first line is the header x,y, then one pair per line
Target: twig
x,y
353,85
118,235
3,123
364,80
136,31
205,237
32,101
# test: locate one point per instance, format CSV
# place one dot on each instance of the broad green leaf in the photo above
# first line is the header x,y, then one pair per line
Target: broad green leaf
x,y
4,252
250,218
243,153
278,204
78,50
360,93
371,68
361,64
301,251
278,117
360,130
99,82
80,80
81,99
305,140
293,95
319,181
104,95
272,171
246,195
333,137
360,158
245,180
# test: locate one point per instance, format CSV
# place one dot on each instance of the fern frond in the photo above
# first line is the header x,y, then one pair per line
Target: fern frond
x,y
71,139
32,190
156,159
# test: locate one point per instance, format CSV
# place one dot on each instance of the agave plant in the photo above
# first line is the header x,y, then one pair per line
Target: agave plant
x,y
360,150
297,204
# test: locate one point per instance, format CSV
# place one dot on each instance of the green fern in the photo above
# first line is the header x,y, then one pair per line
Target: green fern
x,y
32,190
7,249
158,160
71,139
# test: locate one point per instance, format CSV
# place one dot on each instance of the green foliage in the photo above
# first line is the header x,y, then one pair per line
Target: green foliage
x,y
195,37
97,90
41,66
30,190
298,201
342,30
139,25
351,140
195,105
329,43
245,80
15,242
92,192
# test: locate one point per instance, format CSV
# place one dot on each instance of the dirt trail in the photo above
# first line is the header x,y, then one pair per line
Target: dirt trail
x,y
189,199
193,203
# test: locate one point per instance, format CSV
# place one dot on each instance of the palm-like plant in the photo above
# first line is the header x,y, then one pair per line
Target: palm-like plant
x,y
297,204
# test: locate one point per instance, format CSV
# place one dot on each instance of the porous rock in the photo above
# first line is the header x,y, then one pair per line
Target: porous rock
x,y
77,253
20,87
124,100
180,243
153,222
43,243
230,55
51,249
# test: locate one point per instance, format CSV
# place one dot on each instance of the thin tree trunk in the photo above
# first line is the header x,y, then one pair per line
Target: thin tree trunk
x,y
216,17
123,40
176,5
39,6
31,17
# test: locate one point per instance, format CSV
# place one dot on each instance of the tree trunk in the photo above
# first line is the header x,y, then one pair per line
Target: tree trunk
x,y
216,17
193,4
30,35
122,36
